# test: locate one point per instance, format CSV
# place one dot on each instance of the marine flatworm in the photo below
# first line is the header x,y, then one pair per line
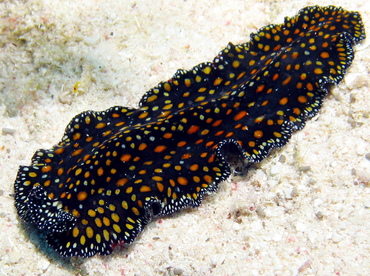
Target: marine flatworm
x,y
114,170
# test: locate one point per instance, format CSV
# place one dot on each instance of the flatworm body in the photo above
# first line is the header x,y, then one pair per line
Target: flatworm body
x,y
116,169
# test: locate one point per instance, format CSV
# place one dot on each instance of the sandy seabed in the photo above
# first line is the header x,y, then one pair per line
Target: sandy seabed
x,y
304,210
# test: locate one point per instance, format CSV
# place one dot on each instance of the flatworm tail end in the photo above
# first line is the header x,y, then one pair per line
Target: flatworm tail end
x,y
114,170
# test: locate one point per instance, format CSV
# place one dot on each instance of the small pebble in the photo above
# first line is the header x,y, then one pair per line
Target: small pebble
x,y
8,130
367,156
304,168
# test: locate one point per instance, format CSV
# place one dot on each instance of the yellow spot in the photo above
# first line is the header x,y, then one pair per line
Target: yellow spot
x,y
82,240
129,226
117,228
89,232
32,174
106,234
115,217
135,211
106,221
207,70
152,98
75,232
98,222
91,213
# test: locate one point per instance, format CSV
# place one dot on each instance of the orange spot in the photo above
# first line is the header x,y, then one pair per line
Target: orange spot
x,y
302,99
167,86
81,195
172,183
212,159
218,133
182,181
181,144
287,80
60,171
241,75
210,143
240,115
160,186
100,125
145,188
199,141
295,55
258,134
229,134
318,71
217,123
46,169
143,115
260,88
76,136
324,55
259,119
193,129
309,86
167,135
303,76
143,146
208,178
217,81
77,152
187,82
157,178
100,171
186,156
152,98
75,213
251,144
194,167
160,148
275,77
59,151
283,101
125,157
